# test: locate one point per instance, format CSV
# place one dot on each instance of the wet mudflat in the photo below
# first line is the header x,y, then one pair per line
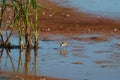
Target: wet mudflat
x,y
86,57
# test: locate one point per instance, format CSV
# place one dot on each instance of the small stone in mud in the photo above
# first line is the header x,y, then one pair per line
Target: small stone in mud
x,y
43,13
89,30
48,29
63,14
115,29
50,15
67,15
61,26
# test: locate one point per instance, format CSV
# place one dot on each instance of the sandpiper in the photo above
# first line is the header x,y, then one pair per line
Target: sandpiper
x,y
64,44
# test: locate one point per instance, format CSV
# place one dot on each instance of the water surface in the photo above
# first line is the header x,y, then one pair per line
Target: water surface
x,y
87,56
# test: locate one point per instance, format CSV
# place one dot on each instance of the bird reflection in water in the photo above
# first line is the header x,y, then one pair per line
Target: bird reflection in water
x,y
63,52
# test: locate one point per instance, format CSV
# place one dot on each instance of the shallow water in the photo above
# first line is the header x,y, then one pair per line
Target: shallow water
x,y
87,56
106,8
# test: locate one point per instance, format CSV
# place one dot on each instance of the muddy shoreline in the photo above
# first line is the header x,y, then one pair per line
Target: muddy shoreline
x,y
54,19
15,76
62,20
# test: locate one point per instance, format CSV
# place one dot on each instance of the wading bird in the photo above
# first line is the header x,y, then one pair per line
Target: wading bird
x,y
64,44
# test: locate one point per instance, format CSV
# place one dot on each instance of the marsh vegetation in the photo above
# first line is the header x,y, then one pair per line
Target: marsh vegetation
x,y
20,15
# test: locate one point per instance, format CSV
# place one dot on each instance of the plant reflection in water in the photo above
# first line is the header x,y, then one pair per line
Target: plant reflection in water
x,y
24,61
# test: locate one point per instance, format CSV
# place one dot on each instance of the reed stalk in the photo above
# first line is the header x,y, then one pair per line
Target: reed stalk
x,y
24,20
3,8
35,29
